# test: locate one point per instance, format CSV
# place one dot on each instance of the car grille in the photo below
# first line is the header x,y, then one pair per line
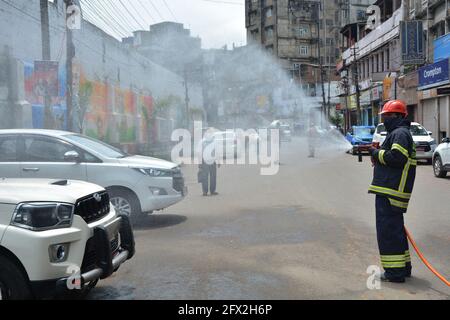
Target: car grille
x,y
423,145
178,180
90,254
90,209
90,257
115,244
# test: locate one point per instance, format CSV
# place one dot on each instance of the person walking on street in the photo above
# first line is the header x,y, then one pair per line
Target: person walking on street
x,y
393,181
312,140
207,173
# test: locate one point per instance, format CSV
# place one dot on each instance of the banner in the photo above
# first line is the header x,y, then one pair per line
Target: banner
x,y
46,78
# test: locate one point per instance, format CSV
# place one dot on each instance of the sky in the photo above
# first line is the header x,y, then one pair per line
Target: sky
x,y
216,22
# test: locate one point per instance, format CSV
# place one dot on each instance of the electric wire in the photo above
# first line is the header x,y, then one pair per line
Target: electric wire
x,y
132,16
115,19
93,12
170,10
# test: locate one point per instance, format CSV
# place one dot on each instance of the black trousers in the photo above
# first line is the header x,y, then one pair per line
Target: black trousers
x,y
392,240
208,177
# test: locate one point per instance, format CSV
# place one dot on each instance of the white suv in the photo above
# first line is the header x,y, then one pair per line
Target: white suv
x,y
58,236
441,159
425,144
136,184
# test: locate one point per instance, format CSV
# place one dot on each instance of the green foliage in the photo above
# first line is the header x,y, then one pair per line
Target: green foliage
x,y
85,93
337,119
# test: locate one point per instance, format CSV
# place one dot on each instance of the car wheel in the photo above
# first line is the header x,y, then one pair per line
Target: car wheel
x,y
438,169
13,284
125,202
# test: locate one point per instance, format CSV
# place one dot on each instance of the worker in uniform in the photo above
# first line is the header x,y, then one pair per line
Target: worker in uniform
x,y
394,174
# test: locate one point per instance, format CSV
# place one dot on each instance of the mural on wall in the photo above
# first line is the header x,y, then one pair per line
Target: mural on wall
x,y
114,114
105,111
34,94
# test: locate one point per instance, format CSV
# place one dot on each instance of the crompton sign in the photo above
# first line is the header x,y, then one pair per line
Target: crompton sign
x,y
434,75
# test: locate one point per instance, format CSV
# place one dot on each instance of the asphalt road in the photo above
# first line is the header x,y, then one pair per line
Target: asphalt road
x,y
306,233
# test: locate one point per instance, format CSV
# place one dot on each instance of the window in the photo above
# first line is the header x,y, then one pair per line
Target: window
x,y
269,13
8,149
269,33
43,149
302,31
103,149
304,50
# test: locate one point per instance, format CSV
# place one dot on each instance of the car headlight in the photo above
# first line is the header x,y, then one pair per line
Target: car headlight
x,y
152,172
40,216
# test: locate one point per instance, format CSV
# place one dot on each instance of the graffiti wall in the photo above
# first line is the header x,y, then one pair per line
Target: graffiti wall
x,y
115,114
36,89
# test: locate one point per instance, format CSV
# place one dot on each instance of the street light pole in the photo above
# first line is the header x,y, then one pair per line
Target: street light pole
x,y
356,81
186,96
46,56
70,54
320,59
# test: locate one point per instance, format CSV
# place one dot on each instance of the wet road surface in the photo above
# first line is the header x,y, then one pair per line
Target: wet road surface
x,y
306,233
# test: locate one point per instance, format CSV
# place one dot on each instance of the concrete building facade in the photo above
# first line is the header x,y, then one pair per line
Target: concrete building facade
x,y
128,98
379,61
302,35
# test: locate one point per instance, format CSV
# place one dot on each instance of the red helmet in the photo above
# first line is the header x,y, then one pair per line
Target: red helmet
x,y
395,106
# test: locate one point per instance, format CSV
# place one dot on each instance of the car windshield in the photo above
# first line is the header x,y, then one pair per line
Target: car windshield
x,y
417,130
381,128
362,131
102,148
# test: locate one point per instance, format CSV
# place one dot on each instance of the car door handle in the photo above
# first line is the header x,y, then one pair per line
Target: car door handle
x,y
31,169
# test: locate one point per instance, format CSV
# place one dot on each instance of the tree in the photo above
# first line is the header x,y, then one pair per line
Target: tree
x,y
85,93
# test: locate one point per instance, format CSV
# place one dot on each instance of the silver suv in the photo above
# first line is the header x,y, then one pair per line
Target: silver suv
x,y
136,184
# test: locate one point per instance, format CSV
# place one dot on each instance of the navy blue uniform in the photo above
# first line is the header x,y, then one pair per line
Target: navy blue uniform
x,y
393,182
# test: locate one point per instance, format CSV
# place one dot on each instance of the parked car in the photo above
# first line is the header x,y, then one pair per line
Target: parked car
x,y
441,159
135,183
361,138
285,129
285,133
58,237
425,144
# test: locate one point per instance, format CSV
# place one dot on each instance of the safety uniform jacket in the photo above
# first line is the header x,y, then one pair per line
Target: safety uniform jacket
x,y
395,167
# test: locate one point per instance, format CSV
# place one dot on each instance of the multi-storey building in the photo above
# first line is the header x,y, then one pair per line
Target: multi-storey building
x,y
433,79
302,35
404,56
169,44
372,62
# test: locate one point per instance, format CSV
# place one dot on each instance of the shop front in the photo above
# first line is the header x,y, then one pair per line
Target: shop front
x,y
434,98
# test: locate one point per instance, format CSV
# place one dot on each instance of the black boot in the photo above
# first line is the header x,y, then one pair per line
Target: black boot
x,y
386,278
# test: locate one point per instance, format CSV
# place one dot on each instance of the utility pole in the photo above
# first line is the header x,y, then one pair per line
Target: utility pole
x,y
186,94
356,81
70,54
319,9
46,56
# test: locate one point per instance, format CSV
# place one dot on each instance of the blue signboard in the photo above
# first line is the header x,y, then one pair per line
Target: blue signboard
x,y
434,75
442,48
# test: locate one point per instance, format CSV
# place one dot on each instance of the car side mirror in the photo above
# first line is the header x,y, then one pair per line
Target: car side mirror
x,y
384,133
430,133
446,140
72,156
